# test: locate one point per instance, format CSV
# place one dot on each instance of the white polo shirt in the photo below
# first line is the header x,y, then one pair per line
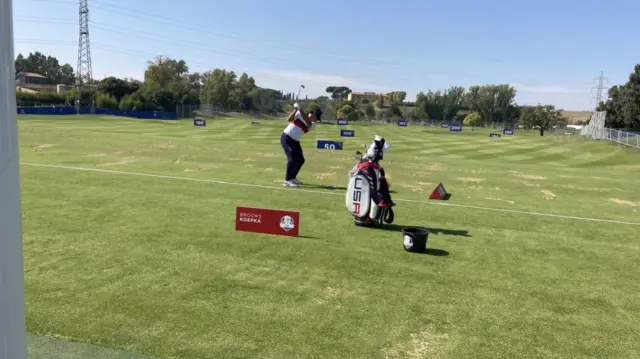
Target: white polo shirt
x,y
298,127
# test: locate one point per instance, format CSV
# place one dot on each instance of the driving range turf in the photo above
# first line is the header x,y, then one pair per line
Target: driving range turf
x,y
129,243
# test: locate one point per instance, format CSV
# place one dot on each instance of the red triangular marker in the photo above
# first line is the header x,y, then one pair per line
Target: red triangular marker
x,y
439,193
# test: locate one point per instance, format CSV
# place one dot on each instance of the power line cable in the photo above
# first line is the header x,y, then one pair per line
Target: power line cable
x,y
226,33
197,46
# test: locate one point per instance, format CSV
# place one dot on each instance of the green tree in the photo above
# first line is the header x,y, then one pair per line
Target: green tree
x,y
623,104
397,97
166,74
218,87
541,117
431,104
338,93
495,103
453,100
312,106
473,119
369,111
393,113
139,101
126,103
241,95
266,99
116,87
105,100
47,66
348,111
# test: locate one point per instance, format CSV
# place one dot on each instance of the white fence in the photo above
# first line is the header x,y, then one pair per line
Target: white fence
x,y
595,130
631,139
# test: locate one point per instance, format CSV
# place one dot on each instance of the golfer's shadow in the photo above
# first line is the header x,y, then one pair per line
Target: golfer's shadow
x,y
446,232
331,188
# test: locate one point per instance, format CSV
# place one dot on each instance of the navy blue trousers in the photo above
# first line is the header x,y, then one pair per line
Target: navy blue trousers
x,y
295,158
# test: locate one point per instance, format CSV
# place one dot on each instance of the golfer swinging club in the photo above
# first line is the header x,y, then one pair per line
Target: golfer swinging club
x,y
299,124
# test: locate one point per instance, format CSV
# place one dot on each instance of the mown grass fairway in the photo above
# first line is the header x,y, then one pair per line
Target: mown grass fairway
x,y
152,265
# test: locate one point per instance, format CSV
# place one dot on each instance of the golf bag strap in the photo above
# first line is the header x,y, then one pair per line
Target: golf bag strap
x,y
386,215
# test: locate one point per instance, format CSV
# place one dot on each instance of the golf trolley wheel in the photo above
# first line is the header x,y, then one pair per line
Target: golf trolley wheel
x,y
361,223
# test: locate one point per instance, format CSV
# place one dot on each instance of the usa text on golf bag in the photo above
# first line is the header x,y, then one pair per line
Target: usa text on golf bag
x,y
368,199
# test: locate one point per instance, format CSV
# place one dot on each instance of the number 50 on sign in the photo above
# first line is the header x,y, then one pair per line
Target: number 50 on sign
x,y
329,145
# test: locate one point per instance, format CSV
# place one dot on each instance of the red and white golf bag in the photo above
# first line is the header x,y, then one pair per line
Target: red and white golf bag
x,y
368,199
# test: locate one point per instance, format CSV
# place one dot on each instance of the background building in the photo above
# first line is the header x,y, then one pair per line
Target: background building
x,y
371,97
31,81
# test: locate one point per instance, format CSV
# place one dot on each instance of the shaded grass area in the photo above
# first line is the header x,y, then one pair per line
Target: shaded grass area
x,y
44,347
153,266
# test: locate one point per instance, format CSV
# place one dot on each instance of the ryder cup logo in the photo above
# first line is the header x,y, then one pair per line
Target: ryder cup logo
x,y
287,223
408,242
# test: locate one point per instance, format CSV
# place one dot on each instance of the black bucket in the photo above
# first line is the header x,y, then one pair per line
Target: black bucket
x,y
414,239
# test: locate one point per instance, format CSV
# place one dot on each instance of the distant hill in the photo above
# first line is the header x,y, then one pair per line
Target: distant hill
x,y
575,116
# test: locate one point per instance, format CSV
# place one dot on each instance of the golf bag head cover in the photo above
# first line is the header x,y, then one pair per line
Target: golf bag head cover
x,y
368,199
375,152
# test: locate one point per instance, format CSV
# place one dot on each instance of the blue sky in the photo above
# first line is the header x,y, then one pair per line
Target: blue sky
x,y
551,51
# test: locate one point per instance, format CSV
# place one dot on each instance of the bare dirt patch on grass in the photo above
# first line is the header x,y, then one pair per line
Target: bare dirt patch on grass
x,y
164,145
548,194
623,202
471,179
43,146
243,159
325,175
196,169
628,167
425,344
500,199
124,161
412,188
267,155
528,184
527,176
591,189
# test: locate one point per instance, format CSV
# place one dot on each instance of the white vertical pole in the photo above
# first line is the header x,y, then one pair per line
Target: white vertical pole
x,y
12,313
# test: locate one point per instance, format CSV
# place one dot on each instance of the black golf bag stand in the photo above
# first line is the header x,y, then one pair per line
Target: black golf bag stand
x,y
367,198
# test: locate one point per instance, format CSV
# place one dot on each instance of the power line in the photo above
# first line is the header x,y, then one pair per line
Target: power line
x,y
139,15
198,46
146,55
140,55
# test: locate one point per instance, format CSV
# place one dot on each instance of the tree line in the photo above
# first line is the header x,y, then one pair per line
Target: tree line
x,y
168,83
623,103
487,105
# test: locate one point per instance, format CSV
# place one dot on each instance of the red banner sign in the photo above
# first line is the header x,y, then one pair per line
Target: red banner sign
x,y
268,221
